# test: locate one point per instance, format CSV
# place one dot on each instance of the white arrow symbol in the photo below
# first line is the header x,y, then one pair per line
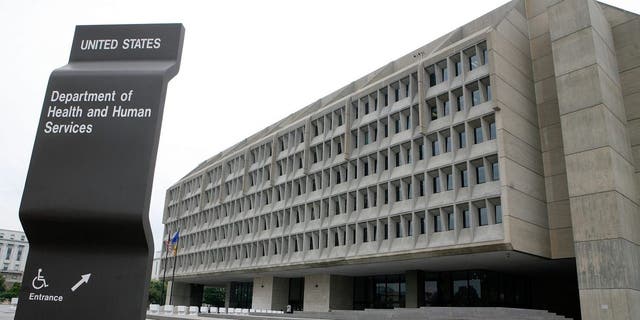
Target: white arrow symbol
x,y
85,279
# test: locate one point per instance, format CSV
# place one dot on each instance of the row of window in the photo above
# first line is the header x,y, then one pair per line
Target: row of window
x,y
461,175
449,218
10,250
453,66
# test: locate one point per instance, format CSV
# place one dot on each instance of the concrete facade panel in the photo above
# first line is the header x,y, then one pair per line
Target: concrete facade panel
x,y
607,264
522,153
528,237
612,304
553,161
557,187
548,112
559,214
567,17
562,243
551,137
538,26
543,67
517,102
541,46
568,51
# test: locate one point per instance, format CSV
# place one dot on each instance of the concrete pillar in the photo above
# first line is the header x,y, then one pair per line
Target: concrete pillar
x,y
184,294
325,292
600,171
415,290
270,293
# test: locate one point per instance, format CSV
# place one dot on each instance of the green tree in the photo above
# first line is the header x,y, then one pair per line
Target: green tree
x,y
2,287
213,296
155,292
11,293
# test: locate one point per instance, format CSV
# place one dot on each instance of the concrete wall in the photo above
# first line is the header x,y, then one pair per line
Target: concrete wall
x,y
325,292
270,293
599,162
521,162
317,292
184,294
551,144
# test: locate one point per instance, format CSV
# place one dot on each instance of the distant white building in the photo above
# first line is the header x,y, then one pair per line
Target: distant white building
x,y
155,271
14,248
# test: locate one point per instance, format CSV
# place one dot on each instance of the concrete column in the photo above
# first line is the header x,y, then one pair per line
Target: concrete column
x,y
184,294
325,292
600,172
270,293
415,291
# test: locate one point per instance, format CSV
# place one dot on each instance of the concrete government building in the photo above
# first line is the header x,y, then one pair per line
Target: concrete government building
x,y
494,166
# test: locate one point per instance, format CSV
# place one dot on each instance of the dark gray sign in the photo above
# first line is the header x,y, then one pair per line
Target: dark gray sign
x,y
85,206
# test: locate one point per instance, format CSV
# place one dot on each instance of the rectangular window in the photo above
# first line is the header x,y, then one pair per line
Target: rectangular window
x,y
365,236
386,231
445,74
488,92
434,112
9,249
386,196
436,184
432,79
386,130
449,181
458,68
397,158
464,178
407,122
398,194
422,225
435,148
474,62
397,125
397,94
398,230
366,168
498,213
447,144
421,152
492,130
480,176
485,57
483,217
446,106
460,102
451,223
475,97
375,233
462,139
495,171
466,218
477,135
421,187
409,196
437,223
409,228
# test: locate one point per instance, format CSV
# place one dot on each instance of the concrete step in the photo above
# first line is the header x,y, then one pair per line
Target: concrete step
x,y
423,313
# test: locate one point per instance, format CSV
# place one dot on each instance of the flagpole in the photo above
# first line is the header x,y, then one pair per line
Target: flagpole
x,y
173,276
164,276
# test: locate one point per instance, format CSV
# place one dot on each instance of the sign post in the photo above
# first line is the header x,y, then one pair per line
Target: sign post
x,y
85,206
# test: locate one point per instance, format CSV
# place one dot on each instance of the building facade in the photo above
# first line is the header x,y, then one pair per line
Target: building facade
x,y
494,166
14,249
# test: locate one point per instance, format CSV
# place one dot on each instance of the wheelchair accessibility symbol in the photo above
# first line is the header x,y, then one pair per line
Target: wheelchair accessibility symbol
x,y
39,282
